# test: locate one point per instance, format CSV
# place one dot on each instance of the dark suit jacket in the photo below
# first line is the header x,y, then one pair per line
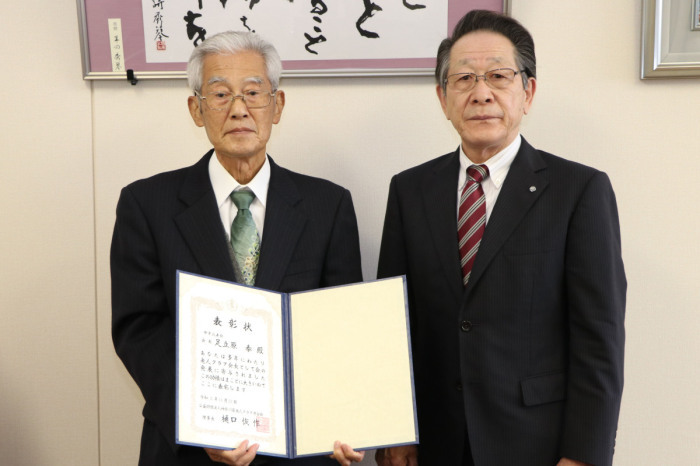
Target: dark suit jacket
x,y
171,221
528,358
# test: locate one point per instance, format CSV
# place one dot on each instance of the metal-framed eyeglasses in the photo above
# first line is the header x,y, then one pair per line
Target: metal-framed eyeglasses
x,y
222,100
499,78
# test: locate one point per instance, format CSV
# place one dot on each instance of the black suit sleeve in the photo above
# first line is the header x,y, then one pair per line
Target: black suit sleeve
x,y
343,264
393,256
596,290
143,328
392,253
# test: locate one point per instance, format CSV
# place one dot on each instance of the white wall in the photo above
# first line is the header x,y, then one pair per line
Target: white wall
x,y
48,370
68,147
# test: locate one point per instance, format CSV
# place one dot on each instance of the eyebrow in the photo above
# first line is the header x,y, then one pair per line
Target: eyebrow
x,y
467,61
219,79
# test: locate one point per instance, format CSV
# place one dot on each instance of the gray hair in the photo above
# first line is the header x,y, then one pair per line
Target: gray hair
x,y
229,43
485,20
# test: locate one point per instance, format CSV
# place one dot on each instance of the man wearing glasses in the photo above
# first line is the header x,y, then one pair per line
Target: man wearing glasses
x,y
235,215
516,284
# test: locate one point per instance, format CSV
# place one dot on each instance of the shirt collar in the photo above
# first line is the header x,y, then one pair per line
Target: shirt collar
x,y
224,184
498,165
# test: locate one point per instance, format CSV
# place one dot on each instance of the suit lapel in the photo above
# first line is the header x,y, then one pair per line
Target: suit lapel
x,y
438,186
200,223
284,224
517,196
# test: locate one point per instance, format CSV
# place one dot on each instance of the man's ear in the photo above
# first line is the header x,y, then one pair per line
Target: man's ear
x,y
195,107
529,94
279,106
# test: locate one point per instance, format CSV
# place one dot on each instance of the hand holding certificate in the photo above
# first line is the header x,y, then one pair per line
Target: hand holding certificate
x,y
293,372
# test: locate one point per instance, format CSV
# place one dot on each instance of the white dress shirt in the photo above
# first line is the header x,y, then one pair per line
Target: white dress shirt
x,y
224,184
498,166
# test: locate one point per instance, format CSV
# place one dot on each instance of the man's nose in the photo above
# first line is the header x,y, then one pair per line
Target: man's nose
x,y
238,108
481,92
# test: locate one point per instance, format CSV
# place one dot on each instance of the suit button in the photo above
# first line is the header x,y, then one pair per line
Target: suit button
x,y
466,326
459,387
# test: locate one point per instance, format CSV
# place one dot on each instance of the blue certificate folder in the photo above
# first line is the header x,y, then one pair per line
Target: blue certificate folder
x,y
293,372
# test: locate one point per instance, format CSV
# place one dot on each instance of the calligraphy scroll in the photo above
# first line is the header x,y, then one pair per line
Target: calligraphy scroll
x,y
314,37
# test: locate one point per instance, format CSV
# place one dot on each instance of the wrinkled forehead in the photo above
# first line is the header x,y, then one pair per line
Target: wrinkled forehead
x,y
482,49
242,68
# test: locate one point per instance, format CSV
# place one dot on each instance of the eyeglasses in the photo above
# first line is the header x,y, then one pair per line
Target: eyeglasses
x,y
222,100
497,79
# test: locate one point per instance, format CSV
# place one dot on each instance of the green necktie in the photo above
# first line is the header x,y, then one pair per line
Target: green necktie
x,y
244,237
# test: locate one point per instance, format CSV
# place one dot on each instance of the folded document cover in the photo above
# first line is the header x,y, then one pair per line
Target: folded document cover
x,y
294,372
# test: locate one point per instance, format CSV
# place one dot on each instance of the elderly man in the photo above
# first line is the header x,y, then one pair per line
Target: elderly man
x,y
234,215
516,284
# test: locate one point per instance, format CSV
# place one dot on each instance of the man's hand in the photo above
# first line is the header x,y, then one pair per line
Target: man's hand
x,y
406,455
344,454
241,456
568,462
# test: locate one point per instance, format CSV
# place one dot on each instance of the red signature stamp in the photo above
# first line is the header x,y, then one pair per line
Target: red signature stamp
x,y
263,424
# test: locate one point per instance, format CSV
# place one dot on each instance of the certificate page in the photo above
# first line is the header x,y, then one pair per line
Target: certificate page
x,y
230,378
351,358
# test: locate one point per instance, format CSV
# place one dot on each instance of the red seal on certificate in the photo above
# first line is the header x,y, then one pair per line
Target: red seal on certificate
x,y
160,45
263,424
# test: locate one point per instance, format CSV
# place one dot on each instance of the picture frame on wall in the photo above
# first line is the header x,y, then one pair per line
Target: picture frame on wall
x,y
152,39
670,42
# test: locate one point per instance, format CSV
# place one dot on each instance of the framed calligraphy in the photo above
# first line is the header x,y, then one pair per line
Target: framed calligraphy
x,y
314,37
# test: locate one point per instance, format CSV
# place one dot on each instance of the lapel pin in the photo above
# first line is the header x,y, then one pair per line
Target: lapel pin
x,y
532,189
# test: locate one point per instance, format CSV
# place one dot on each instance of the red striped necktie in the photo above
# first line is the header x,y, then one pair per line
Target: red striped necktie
x,y
471,222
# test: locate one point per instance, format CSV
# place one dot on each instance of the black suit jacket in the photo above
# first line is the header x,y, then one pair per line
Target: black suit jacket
x,y
528,358
171,221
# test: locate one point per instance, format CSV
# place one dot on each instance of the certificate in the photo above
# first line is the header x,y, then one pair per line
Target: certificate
x,y
293,372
